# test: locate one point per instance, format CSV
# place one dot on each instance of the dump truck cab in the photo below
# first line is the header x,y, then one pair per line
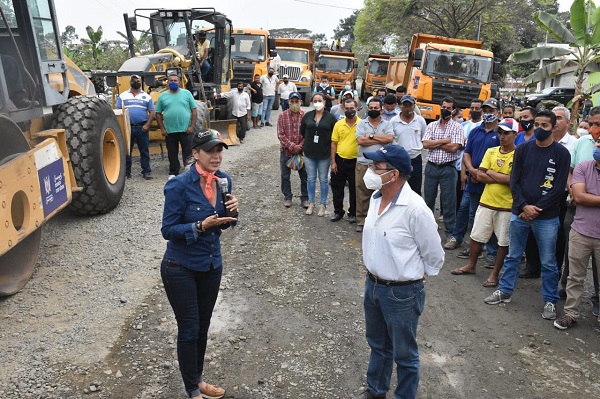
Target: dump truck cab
x,y
376,69
297,61
439,66
251,53
338,66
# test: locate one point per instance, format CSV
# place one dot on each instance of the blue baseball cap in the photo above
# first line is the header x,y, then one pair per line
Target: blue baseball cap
x,y
393,154
295,94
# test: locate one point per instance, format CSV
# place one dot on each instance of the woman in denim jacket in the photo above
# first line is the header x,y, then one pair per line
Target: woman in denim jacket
x,y
193,217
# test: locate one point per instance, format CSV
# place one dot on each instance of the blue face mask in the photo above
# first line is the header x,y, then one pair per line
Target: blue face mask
x,y
596,154
173,86
541,134
385,111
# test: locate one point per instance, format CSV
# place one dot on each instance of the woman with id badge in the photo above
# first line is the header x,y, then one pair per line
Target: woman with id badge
x,y
316,128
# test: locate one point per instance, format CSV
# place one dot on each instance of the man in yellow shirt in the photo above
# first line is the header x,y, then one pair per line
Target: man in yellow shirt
x,y
202,46
494,211
344,149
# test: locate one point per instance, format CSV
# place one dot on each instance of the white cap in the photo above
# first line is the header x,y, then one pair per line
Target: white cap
x,y
286,76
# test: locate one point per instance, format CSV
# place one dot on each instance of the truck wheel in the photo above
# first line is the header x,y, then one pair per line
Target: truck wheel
x,y
362,91
306,99
16,265
276,103
97,152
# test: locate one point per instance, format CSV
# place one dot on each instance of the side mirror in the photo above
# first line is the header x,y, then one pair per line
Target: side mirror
x,y
418,57
496,70
232,41
355,64
111,80
132,22
271,43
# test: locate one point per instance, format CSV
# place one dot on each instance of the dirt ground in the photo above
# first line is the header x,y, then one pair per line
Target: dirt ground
x,y
94,320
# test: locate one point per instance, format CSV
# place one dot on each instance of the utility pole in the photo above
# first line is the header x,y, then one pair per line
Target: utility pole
x,y
479,27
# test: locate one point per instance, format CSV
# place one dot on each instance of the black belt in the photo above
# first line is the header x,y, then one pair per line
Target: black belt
x,y
377,280
451,163
139,124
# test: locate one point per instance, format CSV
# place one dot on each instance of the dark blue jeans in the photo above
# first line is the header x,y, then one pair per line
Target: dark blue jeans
x,y
192,296
391,318
285,104
142,140
286,185
445,178
416,176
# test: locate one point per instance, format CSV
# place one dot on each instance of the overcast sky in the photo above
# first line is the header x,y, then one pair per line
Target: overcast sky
x,y
314,15
319,16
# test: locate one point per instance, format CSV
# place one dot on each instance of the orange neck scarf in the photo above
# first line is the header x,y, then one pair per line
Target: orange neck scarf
x,y
209,177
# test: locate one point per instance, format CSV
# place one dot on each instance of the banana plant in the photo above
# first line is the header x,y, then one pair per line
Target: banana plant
x,y
584,48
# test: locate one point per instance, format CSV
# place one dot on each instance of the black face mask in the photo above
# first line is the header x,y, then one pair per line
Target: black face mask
x,y
542,134
446,114
351,113
476,115
526,125
136,85
271,73
240,89
374,113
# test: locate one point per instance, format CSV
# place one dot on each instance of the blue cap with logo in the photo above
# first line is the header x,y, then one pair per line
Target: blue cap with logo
x,y
393,154
295,94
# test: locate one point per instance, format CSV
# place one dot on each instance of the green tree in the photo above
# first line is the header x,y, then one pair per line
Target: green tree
x,y
142,45
319,40
290,33
584,48
93,43
345,29
69,37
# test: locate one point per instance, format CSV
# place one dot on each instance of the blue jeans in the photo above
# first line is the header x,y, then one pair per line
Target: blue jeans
x,y
320,167
465,214
286,185
545,232
192,296
285,104
204,69
267,107
142,139
391,318
445,177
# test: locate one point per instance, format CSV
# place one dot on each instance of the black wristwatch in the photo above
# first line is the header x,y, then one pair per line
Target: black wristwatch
x,y
199,226
371,136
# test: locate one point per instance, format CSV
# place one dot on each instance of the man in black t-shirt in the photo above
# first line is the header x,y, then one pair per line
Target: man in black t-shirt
x,y
256,98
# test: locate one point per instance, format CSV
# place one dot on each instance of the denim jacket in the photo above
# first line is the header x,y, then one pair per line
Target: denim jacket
x,y
186,204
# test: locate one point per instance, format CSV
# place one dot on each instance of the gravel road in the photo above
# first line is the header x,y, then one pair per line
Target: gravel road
x,y
94,321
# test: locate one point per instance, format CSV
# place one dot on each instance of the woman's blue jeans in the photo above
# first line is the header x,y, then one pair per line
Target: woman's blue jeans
x,y
192,296
318,167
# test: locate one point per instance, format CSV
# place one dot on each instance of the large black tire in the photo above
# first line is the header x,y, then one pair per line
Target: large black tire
x,y
307,97
276,102
97,153
362,91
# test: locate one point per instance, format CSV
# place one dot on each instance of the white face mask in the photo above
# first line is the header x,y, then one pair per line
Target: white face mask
x,y
582,132
318,106
324,85
373,181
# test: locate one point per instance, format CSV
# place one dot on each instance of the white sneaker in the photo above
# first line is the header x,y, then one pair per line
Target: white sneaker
x,y
321,212
310,209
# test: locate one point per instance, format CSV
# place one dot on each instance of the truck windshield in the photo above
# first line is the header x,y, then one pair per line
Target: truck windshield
x,y
300,56
468,67
378,67
336,64
249,48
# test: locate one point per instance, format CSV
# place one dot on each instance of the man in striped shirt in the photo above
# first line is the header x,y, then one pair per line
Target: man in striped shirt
x,y
443,138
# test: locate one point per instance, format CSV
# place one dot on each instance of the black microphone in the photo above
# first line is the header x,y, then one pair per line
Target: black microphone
x,y
224,184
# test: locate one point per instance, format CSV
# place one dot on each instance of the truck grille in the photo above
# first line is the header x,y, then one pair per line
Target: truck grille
x,y
294,72
463,93
242,73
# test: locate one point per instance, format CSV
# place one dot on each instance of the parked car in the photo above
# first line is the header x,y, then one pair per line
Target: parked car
x,y
549,97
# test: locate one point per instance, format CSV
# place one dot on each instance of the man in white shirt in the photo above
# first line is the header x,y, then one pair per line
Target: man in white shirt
x,y
409,129
241,109
270,84
284,91
400,246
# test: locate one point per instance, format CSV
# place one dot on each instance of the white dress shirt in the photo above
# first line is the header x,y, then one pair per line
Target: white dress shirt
x,y
241,102
286,89
402,243
568,141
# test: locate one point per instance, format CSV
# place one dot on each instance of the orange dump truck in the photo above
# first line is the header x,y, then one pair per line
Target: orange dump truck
x,y
376,69
338,66
439,66
298,62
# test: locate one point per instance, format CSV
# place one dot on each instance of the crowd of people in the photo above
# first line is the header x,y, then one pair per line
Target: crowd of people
x,y
526,189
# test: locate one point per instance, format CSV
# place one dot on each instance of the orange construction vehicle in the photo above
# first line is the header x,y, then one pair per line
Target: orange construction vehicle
x,y
338,66
376,69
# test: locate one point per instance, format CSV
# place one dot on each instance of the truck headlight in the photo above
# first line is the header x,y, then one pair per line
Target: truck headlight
x,y
304,79
425,107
